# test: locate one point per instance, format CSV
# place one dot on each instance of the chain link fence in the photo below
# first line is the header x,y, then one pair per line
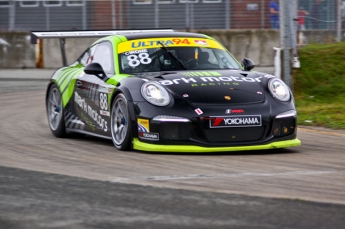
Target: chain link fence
x,y
175,14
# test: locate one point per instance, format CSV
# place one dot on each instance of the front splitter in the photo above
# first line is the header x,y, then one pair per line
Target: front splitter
x,y
138,145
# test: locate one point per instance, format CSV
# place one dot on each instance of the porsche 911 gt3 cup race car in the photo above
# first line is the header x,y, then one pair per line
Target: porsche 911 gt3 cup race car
x,y
167,91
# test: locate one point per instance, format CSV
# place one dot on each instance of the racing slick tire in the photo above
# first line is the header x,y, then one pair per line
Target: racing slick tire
x,y
121,127
55,112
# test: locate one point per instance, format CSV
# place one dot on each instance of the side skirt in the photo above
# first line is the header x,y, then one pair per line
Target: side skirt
x,y
69,130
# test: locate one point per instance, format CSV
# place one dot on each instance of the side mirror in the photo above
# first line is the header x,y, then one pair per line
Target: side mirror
x,y
247,64
95,69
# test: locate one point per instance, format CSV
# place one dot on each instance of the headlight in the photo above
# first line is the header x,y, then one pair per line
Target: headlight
x,y
155,94
279,89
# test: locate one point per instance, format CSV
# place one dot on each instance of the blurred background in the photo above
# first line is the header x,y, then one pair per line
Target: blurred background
x,y
176,14
257,29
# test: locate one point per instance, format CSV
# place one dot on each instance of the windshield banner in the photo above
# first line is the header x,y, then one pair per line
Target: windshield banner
x,y
167,42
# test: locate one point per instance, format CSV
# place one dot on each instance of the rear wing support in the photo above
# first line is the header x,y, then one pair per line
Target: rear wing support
x,y
62,35
63,51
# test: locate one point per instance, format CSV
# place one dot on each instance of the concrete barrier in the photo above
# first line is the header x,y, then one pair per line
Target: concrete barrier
x,y
16,51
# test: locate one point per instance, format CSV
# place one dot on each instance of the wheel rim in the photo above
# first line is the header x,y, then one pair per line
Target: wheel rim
x,y
54,108
119,121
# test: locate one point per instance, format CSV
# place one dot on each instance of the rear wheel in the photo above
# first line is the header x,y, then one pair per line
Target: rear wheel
x,y
121,131
55,112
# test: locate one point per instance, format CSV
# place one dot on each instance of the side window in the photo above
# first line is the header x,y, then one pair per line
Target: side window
x,y
84,58
87,57
104,56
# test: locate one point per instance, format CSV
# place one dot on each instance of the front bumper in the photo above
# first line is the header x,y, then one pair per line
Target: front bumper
x,y
241,127
200,133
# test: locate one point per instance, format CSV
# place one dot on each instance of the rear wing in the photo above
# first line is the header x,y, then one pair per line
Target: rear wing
x,y
61,35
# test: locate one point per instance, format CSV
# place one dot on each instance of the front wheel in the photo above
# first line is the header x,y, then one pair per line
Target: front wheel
x,y
121,131
55,112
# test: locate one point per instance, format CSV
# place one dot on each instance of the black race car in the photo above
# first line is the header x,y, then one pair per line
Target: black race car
x,y
168,91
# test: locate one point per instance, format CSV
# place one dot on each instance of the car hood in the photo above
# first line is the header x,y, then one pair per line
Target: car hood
x,y
213,87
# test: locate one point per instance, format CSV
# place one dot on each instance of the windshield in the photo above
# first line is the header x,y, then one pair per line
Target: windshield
x,y
155,55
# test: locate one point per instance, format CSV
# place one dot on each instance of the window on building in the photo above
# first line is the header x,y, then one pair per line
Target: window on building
x,y
4,3
52,3
211,1
142,1
190,1
166,1
29,3
75,3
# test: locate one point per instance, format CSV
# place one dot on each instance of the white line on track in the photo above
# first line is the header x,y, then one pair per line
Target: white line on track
x,y
325,132
235,175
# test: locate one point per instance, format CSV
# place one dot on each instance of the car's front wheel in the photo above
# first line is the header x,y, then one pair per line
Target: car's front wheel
x,y
55,112
121,131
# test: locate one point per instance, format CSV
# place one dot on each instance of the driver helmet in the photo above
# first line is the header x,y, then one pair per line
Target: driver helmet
x,y
185,53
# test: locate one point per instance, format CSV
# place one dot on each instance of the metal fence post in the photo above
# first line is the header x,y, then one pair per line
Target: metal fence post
x,y
338,20
262,14
47,18
227,14
285,16
156,14
84,15
187,16
11,15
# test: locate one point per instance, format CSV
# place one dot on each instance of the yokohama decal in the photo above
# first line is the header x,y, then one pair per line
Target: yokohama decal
x,y
149,136
235,121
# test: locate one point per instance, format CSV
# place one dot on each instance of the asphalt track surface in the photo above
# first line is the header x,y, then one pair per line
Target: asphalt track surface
x,y
84,182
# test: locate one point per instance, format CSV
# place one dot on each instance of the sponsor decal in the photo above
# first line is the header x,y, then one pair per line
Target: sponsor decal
x,y
203,73
144,44
198,111
149,43
87,121
143,125
135,52
237,111
235,121
149,136
106,113
93,114
209,80
231,111
201,42
103,89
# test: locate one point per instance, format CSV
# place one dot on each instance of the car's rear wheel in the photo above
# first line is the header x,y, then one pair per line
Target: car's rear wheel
x,y
121,131
55,112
